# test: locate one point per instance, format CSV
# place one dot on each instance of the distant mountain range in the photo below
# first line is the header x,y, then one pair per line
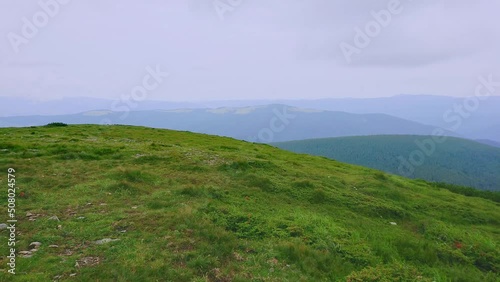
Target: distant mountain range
x,y
12,106
479,122
460,115
271,123
455,161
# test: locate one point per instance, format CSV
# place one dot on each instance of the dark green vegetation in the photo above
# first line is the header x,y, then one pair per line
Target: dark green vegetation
x,y
192,207
455,161
56,124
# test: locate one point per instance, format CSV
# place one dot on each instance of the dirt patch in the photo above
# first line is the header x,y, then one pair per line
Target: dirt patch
x,y
87,261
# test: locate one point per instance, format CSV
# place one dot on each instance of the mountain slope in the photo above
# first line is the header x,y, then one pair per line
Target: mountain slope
x,y
262,124
456,161
179,206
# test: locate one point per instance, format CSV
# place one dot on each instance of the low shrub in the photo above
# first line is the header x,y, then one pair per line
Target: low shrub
x,y
56,124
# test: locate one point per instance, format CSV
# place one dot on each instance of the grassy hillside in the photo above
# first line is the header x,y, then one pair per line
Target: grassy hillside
x,y
456,161
178,206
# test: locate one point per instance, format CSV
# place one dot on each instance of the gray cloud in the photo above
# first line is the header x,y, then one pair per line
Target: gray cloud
x,y
261,49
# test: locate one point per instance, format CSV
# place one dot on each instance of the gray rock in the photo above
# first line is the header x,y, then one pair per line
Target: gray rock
x,y
393,223
105,240
3,226
35,245
54,218
25,254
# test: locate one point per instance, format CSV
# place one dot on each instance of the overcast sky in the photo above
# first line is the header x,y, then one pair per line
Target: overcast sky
x,y
245,49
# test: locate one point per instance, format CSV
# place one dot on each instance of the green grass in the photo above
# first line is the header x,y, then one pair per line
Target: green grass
x,y
193,207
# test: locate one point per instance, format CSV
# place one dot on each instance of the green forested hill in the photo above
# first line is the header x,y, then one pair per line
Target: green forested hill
x,y
456,161
121,203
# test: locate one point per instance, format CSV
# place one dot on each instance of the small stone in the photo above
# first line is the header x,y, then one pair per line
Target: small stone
x,y
25,252
103,204
134,207
35,245
72,275
54,218
3,226
59,226
393,223
81,217
105,240
53,246
28,214
88,204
